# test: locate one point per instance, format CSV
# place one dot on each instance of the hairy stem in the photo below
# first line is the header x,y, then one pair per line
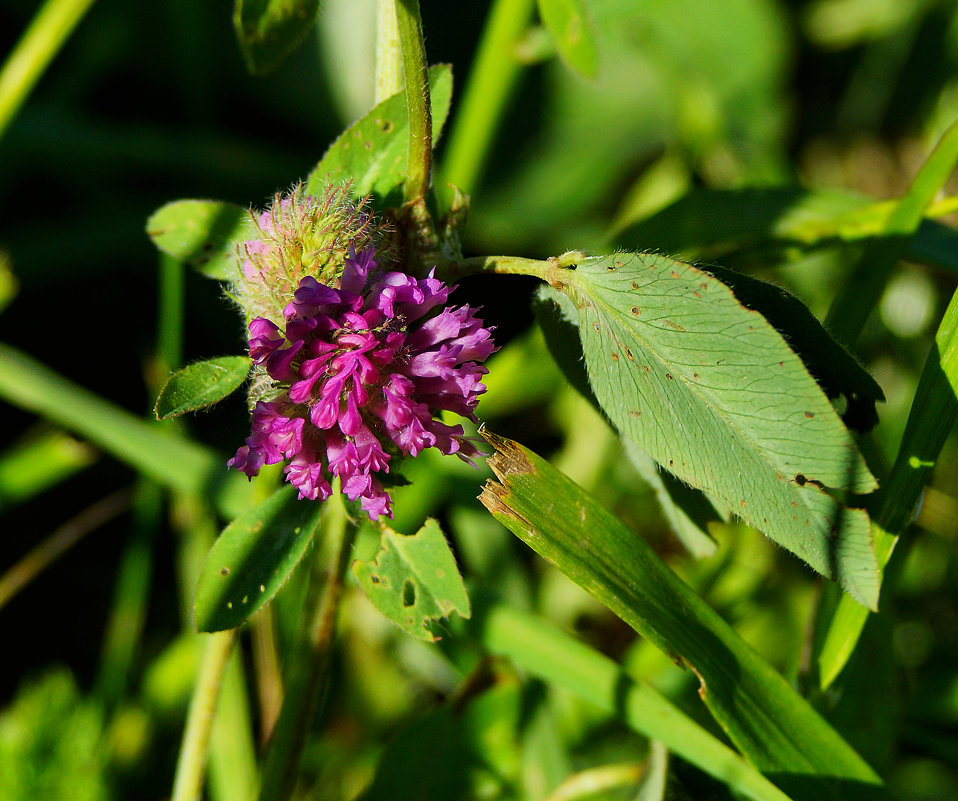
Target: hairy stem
x,y
416,77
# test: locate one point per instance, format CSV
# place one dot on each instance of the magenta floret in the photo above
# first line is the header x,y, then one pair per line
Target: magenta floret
x,y
363,371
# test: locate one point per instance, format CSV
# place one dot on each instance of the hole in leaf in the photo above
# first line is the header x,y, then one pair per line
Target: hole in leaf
x,y
408,593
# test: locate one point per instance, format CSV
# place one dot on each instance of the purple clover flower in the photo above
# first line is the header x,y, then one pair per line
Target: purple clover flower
x,y
363,369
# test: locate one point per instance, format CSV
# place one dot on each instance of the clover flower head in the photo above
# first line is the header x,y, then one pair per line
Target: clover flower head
x,y
301,235
357,374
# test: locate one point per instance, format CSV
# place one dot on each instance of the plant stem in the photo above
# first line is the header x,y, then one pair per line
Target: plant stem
x,y
388,56
35,50
494,76
416,77
191,765
309,670
509,265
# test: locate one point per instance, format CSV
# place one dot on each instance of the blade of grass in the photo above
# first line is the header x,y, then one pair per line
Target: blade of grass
x,y
39,463
765,717
864,286
173,461
124,629
536,646
932,416
42,40
494,75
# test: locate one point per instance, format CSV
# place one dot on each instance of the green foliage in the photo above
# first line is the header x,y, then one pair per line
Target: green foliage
x,y
200,385
253,558
414,580
682,128
52,743
199,233
714,394
772,725
371,153
269,30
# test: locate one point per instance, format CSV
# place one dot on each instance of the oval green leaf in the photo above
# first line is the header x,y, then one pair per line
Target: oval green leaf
x,y
372,151
269,30
712,392
199,233
568,22
414,581
200,385
252,559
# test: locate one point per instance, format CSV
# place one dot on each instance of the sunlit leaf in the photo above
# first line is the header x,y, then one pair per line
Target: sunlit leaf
x,y
414,580
768,721
199,232
201,384
372,151
568,22
834,368
712,392
269,30
253,558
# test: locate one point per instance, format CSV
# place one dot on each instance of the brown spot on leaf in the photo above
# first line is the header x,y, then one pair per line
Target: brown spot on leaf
x,y
634,413
668,376
615,356
629,355
675,274
695,375
696,294
809,415
800,480
635,285
635,310
595,326
224,571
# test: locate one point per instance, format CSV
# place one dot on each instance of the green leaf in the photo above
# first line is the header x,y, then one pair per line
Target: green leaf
x,y
766,719
712,392
269,30
201,384
837,372
199,232
568,22
414,580
686,509
253,558
372,151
